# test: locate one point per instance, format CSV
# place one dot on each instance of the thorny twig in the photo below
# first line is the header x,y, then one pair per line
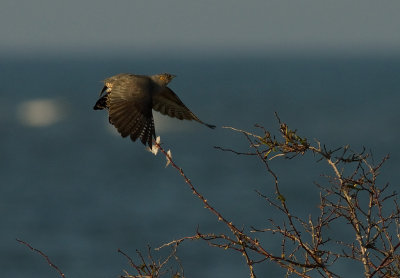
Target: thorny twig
x,y
150,268
43,255
354,197
243,242
341,201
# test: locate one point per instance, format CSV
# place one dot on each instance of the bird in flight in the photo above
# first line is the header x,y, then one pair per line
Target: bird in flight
x,y
130,99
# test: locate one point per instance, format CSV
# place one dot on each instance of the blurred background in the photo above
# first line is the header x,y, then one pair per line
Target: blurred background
x,y
73,188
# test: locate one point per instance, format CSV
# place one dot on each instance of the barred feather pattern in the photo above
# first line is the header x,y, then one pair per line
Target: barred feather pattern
x,y
168,103
131,121
130,99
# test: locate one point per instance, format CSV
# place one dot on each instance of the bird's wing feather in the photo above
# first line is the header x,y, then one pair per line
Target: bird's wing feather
x,y
168,103
130,111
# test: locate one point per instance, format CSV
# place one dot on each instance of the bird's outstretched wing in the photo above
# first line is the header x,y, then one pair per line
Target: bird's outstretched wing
x,y
130,112
168,103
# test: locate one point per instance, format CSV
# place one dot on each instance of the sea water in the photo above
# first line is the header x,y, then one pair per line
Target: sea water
x,y
73,188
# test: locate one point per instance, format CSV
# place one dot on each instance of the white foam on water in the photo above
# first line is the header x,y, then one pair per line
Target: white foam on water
x,y
40,112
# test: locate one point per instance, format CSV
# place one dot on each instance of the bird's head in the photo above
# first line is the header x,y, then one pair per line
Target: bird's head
x,y
163,79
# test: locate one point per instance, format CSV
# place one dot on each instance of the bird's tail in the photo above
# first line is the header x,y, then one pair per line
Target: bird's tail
x,y
194,117
210,126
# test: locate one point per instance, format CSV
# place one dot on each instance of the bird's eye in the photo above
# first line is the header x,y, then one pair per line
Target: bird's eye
x,y
163,78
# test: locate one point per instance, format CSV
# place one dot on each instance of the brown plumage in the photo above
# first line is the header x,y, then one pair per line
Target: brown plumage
x,y
130,99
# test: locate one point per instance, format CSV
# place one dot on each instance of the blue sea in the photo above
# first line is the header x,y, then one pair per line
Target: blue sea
x,y
76,190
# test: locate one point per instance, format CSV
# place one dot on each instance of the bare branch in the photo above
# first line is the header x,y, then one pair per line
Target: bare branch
x,y
43,255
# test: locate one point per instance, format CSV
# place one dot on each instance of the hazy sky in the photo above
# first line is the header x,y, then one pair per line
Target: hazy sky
x,y
210,25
